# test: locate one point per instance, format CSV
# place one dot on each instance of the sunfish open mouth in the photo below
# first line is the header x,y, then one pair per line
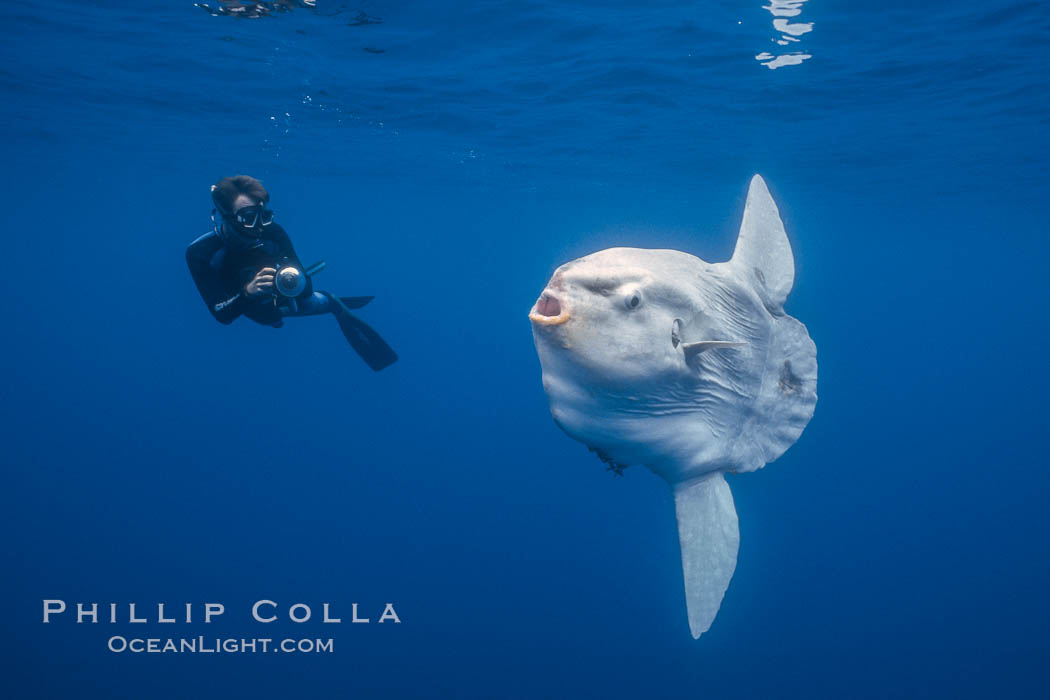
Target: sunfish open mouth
x,y
548,311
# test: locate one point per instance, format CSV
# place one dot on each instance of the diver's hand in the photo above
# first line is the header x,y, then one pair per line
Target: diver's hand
x,y
262,283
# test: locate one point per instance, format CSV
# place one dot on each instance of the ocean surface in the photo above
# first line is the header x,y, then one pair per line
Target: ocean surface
x,y
446,157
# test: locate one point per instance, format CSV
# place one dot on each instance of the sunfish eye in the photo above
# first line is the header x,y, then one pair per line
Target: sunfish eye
x,y
633,299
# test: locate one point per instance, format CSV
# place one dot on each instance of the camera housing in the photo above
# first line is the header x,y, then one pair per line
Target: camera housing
x,y
289,281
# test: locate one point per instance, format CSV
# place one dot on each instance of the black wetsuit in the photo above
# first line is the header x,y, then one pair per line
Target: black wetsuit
x,y
222,269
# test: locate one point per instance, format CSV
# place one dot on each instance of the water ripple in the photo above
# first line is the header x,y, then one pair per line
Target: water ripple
x,y
787,34
584,88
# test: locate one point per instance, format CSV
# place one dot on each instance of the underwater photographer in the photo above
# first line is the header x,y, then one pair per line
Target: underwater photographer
x,y
246,265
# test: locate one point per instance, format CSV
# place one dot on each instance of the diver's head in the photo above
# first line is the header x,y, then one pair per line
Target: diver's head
x,y
241,201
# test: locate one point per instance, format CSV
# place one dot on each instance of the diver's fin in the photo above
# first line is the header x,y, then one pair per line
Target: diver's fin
x,y
709,536
355,302
362,338
694,349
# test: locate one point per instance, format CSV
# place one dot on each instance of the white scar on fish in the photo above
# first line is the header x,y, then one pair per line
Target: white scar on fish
x,y
693,369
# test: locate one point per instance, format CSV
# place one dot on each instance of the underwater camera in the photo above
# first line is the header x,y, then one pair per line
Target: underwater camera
x,y
290,281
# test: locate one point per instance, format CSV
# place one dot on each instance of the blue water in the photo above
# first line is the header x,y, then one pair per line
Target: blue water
x,y
446,157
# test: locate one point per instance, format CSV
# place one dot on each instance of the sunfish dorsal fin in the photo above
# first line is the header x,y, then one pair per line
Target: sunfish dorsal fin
x,y
763,254
709,536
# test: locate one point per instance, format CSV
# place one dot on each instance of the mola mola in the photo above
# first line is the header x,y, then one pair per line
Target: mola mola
x,y
693,369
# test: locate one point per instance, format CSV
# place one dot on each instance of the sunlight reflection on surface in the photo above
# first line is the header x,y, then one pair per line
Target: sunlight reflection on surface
x,y
788,33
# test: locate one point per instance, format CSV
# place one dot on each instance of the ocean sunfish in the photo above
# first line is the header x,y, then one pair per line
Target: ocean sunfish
x,y
693,369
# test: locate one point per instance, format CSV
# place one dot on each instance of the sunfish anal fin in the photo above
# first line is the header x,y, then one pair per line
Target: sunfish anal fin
x,y
709,536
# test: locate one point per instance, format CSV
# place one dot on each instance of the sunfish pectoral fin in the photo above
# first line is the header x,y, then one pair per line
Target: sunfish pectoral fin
x,y
693,349
709,536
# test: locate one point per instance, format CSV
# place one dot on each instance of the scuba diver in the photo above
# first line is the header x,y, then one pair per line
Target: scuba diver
x,y
246,265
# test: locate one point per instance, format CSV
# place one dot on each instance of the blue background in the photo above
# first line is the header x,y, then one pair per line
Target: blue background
x,y
447,159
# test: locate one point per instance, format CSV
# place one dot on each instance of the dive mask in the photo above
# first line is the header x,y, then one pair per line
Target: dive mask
x,y
250,219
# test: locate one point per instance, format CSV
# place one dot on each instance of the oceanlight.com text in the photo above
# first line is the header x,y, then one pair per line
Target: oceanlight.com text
x,y
218,645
